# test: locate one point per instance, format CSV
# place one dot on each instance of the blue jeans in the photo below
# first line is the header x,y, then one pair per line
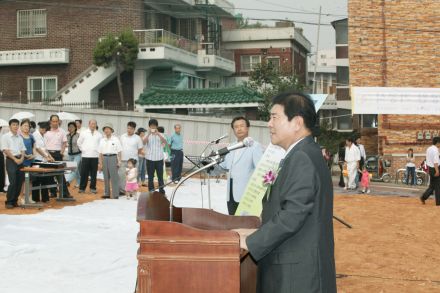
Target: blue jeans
x,y
411,171
75,174
142,168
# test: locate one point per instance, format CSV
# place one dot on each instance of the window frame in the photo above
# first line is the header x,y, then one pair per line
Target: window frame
x,y
44,91
251,64
32,23
268,58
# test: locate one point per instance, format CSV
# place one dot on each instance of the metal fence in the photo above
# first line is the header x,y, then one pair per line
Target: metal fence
x,y
161,36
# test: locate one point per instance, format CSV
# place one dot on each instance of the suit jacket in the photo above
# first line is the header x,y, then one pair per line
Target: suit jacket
x,y
294,247
246,161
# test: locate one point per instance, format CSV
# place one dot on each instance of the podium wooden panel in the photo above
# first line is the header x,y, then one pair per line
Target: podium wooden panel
x,y
195,253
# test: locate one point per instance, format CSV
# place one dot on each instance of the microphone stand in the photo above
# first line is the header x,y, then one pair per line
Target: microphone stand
x,y
217,159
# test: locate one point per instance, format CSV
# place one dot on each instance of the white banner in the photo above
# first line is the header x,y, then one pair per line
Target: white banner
x,y
395,100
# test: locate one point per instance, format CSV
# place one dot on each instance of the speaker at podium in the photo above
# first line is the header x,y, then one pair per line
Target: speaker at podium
x,y
194,253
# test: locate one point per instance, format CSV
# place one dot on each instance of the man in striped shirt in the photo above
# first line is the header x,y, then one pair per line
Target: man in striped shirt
x,y
154,143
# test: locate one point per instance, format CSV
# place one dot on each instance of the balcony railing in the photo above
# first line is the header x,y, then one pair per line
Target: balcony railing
x,y
210,49
162,37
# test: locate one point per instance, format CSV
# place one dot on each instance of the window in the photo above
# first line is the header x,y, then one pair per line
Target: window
x,y
342,75
249,62
31,23
369,121
41,88
275,62
344,119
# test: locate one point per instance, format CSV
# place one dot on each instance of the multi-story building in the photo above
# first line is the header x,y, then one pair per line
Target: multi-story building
x,y
363,125
284,46
388,50
322,80
46,49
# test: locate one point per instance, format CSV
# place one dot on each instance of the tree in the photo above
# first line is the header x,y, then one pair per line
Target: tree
x,y
244,22
269,81
119,50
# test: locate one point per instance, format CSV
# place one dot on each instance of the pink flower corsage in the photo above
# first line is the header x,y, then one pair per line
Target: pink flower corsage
x,y
268,180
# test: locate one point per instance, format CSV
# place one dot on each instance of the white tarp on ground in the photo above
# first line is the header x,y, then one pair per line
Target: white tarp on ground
x,y
89,248
396,100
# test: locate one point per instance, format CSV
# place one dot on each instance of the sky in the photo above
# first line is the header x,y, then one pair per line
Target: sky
x,y
298,11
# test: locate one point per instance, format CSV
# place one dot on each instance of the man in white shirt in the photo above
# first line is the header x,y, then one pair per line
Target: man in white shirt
x,y
14,150
41,155
132,146
88,143
432,160
109,161
352,159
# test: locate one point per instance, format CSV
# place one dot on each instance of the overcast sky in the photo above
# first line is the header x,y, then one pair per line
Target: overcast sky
x,y
298,11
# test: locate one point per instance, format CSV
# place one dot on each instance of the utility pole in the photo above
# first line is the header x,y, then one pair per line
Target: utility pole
x,y
316,52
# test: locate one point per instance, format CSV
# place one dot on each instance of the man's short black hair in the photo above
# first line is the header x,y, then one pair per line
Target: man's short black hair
x,y
33,124
153,122
79,120
297,104
14,121
350,139
248,124
44,125
54,115
132,124
436,140
161,129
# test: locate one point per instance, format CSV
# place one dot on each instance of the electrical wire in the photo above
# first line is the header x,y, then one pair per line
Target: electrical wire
x,y
197,14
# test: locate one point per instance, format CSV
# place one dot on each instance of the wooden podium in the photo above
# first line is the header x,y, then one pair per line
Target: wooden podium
x,y
196,253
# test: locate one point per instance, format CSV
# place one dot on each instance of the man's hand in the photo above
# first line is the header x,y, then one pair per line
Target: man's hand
x,y
437,173
99,167
244,233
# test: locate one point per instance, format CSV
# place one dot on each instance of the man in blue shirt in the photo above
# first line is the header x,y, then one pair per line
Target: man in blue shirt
x,y
176,145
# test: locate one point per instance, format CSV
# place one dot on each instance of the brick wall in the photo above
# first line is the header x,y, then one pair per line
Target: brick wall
x,y
404,54
285,60
76,25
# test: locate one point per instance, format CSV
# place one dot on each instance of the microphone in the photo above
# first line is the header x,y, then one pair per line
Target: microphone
x,y
247,142
216,141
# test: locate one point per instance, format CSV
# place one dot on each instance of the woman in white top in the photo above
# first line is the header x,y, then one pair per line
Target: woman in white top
x,y
410,167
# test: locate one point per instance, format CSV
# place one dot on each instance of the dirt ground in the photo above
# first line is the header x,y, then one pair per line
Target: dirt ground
x,y
393,247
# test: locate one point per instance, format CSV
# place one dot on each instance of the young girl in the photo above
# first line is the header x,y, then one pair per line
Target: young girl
x,y
365,180
131,185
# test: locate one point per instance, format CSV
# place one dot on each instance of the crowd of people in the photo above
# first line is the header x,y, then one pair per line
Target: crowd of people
x,y
127,161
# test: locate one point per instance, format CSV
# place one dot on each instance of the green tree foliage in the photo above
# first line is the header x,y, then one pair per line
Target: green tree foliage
x,y
269,81
244,22
119,50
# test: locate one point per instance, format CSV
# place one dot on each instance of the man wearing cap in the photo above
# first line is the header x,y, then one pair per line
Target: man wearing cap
x,y
109,161
88,143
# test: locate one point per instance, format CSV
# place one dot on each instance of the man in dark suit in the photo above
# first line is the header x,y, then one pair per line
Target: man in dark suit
x,y
294,247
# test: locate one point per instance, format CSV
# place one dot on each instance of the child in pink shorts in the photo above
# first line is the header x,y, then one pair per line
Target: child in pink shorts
x,y
131,185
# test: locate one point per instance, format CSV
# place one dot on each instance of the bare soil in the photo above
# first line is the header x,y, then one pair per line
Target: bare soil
x,y
394,245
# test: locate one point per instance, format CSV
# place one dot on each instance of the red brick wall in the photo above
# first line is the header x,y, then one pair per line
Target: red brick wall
x,y
74,24
285,60
404,54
